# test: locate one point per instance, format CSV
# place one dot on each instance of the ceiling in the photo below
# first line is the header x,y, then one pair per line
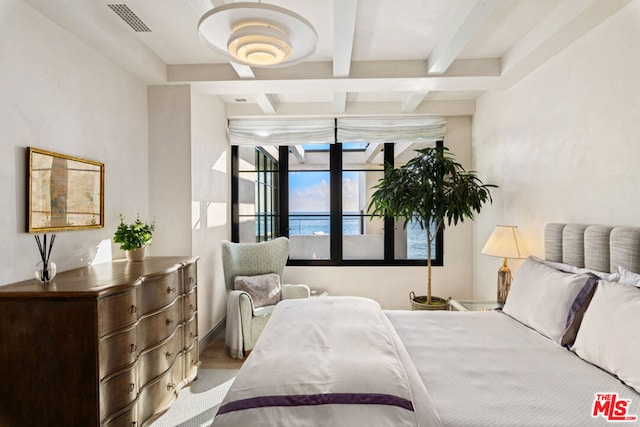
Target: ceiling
x,y
373,56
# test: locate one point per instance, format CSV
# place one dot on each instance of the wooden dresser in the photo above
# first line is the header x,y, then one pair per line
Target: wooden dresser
x,y
110,344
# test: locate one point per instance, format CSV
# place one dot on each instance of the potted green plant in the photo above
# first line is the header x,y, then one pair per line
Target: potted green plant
x,y
134,238
431,188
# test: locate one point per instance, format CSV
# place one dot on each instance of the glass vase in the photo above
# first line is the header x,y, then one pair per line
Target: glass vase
x,y
45,273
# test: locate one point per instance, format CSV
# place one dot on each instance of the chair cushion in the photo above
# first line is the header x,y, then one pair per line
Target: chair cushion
x,y
264,289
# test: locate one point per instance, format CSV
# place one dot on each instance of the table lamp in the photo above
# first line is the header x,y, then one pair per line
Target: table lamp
x,y
505,242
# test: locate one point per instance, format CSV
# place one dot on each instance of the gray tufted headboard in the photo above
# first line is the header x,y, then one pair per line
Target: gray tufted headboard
x,y
597,247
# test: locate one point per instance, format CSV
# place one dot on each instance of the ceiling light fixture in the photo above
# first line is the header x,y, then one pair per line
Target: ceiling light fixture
x,y
259,35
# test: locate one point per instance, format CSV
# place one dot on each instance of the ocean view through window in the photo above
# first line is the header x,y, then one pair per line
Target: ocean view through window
x,y
319,224
318,196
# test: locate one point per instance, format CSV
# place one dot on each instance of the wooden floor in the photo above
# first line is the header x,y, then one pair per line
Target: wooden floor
x,y
214,356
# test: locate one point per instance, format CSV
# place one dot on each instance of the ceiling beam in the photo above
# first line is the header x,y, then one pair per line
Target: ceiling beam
x,y
412,101
340,102
401,148
344,27
243,71
323,70
298,152
372,151
466,22
266,102
324,86
325,109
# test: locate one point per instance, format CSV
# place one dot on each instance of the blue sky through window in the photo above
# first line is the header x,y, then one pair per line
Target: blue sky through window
x,y
316,147
309,191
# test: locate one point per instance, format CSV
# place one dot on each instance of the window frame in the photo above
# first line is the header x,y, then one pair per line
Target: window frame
x,y
336,236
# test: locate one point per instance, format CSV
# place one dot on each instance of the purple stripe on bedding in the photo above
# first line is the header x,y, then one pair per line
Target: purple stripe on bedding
x,y
581,298
317,399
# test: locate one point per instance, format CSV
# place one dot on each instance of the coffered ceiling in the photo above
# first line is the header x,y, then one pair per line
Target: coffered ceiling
x,y
373,56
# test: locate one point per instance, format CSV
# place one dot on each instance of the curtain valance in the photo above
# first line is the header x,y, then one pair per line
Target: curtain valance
x,y
390,129
292,131
280,131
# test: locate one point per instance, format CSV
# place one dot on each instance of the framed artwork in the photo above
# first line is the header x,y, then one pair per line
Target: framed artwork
x,y
65,192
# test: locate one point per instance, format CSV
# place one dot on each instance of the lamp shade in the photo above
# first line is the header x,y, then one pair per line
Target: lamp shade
x,y
505,242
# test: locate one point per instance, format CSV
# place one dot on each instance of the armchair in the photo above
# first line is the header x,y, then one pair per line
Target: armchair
x,y
245,322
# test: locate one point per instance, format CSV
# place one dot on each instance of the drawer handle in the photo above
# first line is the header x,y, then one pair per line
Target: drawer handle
x,y
132,387
170,386
133,309
191,335
170,289
169,321
191,307
168,355
191,280
133,348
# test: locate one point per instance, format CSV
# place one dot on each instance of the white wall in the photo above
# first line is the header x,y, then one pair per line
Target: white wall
x,y
170,168
563,144
390,286
210,221
164,150
189,187
60,95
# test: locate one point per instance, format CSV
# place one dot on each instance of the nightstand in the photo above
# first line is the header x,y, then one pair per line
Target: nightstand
x,y
473,305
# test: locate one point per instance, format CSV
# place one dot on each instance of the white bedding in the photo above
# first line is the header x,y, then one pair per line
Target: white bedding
x,y
333,361
486,369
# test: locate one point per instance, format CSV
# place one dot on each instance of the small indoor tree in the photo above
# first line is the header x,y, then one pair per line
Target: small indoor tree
x,y
430,189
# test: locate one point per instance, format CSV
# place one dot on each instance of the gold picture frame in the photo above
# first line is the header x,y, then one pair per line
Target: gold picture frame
x,y
65,192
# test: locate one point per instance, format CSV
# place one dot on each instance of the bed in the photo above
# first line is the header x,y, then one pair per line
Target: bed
x,y
564,351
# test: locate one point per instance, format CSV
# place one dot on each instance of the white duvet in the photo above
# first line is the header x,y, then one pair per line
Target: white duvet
x,y
487,369
333,361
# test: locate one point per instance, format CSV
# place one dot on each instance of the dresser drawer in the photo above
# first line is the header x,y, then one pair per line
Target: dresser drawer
x,y
117,351
118,391
157,291
128,417
190,331
191,362
190,277
157,395
117,311
157,360
158,326
190,304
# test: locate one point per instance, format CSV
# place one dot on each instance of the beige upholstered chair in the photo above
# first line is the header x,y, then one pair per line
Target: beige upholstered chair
x,y
252,259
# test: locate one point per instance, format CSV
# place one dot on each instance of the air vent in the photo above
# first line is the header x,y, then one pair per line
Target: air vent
x,y
240,99
127,15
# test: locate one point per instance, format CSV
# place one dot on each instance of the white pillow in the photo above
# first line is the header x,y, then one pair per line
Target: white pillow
x,y
568,268
548,300
628,277
608,336
609,277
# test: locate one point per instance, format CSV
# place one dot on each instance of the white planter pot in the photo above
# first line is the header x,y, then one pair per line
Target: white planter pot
x,y
136,254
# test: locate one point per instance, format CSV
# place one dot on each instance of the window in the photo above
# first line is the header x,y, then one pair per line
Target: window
x,y
318,195
258,189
